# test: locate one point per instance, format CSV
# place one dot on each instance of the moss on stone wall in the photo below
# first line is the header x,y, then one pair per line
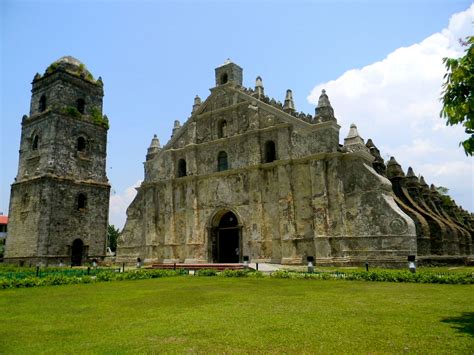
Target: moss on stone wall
x,y
97,118
72,111
96,115
80,70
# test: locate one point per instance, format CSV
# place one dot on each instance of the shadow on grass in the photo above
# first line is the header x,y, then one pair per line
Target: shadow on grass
x,y
463,323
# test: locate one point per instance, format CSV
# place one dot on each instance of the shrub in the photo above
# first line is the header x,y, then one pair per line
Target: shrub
x,y
234,273
207,272
255,274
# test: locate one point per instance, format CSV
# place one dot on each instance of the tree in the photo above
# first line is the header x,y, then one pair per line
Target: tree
x,y
458,96
442,190
112,236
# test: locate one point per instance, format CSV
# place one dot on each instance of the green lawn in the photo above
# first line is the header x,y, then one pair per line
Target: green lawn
x,y
234,315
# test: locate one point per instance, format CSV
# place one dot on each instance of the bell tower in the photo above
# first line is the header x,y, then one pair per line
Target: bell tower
x,y
60,197
228,72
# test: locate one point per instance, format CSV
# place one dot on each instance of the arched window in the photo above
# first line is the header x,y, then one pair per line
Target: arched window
x,y
181,167
42,103
80,105
81,201
224,78
222,129
270,151
35,143
222,163
81,144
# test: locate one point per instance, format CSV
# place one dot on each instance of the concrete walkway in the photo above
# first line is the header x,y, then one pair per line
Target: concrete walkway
x,y
264,267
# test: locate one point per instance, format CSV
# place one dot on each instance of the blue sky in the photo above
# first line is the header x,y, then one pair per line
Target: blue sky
x,y
155,56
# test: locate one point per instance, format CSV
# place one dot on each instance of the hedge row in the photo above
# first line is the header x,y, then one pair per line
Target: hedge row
x,y
57,279
386,276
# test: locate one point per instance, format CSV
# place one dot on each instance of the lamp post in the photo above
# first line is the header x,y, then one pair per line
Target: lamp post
x,y
412,263
310,260
246,261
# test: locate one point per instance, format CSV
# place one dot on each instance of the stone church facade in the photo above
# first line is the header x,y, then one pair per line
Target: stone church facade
x,y
249,176
60,197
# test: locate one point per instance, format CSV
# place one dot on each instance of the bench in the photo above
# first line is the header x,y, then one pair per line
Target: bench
x,y
218,267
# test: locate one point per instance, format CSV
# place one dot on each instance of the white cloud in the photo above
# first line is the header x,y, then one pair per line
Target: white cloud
x,y
396,103
119,204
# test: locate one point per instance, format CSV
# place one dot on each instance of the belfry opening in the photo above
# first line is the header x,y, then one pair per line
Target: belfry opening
x,y
226,238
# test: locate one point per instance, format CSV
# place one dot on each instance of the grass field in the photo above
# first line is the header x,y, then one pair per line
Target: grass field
x,y
232,315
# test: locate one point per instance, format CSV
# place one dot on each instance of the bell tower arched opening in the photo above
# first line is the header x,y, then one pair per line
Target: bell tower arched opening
x,y
77,252
226,238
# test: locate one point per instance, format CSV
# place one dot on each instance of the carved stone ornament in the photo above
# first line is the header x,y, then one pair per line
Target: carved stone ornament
x,y
398,226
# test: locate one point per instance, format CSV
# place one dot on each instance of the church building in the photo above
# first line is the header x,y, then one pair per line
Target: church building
x,y
245,177
248,176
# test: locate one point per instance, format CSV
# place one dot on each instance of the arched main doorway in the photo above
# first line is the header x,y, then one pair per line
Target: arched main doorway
x,y
77,252
226,238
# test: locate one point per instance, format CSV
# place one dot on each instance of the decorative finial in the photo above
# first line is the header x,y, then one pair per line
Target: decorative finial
x,y
423,182
353,132
289,105
259,90
324,111
378,164
394,169
155,142
197,104
411,173
177,126
154,148
353,141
